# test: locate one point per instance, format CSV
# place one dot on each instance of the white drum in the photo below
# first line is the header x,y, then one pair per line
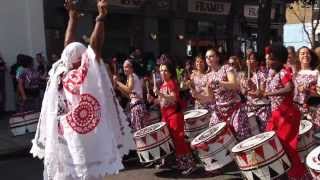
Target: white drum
x,y
261,157
196,121
153,142
214,145
23,123
305,139
253,123
313,162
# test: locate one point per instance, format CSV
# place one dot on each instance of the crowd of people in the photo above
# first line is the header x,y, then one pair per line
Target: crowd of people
x,y
83,132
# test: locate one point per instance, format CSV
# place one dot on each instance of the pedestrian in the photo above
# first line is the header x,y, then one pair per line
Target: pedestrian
x,y
80,133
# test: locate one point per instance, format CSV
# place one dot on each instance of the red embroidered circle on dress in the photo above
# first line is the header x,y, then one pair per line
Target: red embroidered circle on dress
x,y
86,116
75,78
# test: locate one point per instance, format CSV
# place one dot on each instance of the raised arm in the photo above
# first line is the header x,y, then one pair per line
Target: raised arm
x,y
97,36
70,35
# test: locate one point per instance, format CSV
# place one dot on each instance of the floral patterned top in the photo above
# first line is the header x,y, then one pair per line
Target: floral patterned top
x,y
200,82
259,79
275,82
306,78
222,95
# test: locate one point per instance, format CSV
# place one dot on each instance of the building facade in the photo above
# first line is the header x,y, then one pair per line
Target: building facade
x,y
169,25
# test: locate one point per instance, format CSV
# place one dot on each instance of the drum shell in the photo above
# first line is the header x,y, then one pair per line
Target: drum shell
x,y
215,152
267,160
305,141
23,123
153,145
313,162
195,126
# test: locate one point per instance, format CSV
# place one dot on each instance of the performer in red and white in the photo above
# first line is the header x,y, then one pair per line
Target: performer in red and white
x,y
171,111
305,82
81,129
253,89
223,91
198,80
133,90
285,117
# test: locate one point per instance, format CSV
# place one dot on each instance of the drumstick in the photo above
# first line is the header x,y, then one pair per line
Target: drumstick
x,y
147,85
258,83
249,71
154,80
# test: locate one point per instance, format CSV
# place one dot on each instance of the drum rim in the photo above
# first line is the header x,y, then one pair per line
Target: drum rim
x,y
308,129
223,124
317,137
309,158
156,130
253,147
205,110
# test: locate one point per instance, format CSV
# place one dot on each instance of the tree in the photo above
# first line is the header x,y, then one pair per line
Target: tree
x,y
307,11
264,21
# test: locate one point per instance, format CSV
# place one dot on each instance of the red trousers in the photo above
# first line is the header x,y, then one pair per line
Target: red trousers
x,y
175,124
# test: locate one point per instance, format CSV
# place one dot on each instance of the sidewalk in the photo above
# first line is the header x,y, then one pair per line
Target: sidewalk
x,y
12,144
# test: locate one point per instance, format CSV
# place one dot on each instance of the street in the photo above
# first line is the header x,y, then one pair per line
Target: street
x,y
22,166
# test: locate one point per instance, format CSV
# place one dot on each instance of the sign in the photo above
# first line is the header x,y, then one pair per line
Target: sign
x,y
251,11
209,7
127,3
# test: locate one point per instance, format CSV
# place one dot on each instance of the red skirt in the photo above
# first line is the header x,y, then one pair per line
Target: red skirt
x,y
285,121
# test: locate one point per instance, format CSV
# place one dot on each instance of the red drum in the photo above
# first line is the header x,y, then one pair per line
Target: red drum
x,y
23,123
214,145
313,162
305,140
153,142
261,157
196,121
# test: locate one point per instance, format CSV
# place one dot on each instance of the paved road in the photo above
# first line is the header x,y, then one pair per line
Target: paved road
x,y
21,166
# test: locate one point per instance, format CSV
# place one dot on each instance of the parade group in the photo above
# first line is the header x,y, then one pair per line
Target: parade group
x,y
83,132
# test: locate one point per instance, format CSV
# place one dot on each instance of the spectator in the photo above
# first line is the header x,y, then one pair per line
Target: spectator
x,y
28,86
42,71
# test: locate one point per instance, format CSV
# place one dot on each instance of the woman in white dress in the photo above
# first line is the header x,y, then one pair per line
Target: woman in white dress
x,y
81,128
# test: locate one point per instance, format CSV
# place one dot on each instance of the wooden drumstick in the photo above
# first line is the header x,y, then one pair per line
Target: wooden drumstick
x,y
249,71
154,80
148,86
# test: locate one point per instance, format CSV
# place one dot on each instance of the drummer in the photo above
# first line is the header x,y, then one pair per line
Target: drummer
x,y
198,80
222,88
285,116
171,111
305,82
133,90
252,88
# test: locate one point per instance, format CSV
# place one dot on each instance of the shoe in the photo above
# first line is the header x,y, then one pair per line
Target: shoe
x,y
188,171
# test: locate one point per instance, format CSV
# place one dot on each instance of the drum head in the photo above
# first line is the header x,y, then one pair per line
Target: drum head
x,y
253,142
209,133
260,102
195,113
305,126
250,114
313,159
149,129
